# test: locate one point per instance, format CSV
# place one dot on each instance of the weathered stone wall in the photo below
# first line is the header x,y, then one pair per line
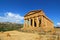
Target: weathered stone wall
x,y
48,26
47,23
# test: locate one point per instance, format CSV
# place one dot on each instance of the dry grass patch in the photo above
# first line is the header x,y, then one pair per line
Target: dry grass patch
x,y
16,35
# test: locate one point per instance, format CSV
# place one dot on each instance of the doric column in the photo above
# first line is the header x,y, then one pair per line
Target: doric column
x,y
29,22
25,23
37,21
33,22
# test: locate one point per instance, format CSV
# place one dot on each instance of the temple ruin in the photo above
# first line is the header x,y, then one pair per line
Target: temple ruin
x,y
36,20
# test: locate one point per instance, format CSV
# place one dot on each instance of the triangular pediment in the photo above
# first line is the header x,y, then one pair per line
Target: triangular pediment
x,y
32,12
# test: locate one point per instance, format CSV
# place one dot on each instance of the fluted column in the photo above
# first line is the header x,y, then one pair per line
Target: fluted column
x,y
33,22
24,23
29,22
37,21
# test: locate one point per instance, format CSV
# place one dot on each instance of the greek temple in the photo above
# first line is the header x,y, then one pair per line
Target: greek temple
x,y
37,20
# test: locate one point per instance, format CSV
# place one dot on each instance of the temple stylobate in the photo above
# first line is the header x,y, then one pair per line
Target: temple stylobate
x,y
37,20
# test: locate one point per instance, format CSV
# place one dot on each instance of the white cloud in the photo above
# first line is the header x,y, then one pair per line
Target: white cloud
x,y
58,24
11,17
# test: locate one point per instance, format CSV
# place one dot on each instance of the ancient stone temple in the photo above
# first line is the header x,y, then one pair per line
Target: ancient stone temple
x,y
36,20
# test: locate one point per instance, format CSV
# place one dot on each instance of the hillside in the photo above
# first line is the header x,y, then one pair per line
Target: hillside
x,y
11,33
7,26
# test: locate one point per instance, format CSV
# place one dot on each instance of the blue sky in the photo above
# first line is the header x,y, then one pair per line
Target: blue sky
x,y
15,9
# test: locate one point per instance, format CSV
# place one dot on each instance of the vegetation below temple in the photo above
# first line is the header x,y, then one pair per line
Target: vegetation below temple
x,y
7,26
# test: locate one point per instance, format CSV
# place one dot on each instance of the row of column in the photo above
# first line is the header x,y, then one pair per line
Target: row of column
x,y
27,23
